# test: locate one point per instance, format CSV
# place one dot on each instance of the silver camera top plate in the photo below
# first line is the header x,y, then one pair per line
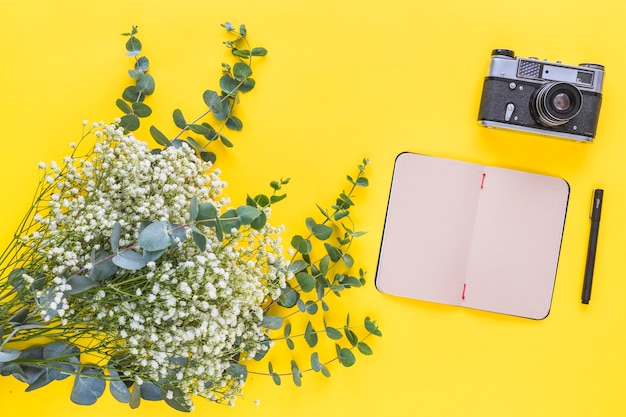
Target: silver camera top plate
x,y
586,76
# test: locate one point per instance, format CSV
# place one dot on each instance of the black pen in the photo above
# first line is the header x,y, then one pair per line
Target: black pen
x,y
596,210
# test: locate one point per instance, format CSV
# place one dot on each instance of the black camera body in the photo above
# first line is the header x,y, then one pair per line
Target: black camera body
x,y
547,98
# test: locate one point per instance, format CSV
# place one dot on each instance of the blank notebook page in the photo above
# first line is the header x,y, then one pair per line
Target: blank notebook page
x,y
472,235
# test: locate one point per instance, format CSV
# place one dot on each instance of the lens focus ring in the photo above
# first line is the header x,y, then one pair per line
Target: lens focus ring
x,y
557,103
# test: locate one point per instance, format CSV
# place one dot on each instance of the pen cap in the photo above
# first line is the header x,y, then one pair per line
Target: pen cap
x,y
596,209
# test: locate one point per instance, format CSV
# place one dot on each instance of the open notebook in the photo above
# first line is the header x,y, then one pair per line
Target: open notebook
x,y
472,235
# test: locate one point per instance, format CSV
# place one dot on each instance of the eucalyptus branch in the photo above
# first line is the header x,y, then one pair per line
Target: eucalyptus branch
x,y
312,274
235,79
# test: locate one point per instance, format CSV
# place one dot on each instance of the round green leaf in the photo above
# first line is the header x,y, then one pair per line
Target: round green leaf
x,y
247,85
130,260
159,137
151,392
132,94
118,388
234,123
277,197
345,356
206,211
289,297
297,266
333,333
272,322
201,129
193,209
129,122
364,348
311,307
259,222
7,355
276,378
103,267
242,70
135,74
371,327
135,397
306,281
362,182
237,370
247,214
142,64
296,373
200,240
177,234
55,349
179,119
208,157
155,237
301,244
141,109
80,283
316,364
225,141
264,348
310,335
333,252
241,53
178,401
321,231
229,85
123,106
145,84
230,220
88,386
19,317
262,200
133,46
191,142
213,101
351,336
258,51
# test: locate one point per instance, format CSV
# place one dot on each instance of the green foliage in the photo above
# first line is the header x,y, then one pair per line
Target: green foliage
x,y
89,385
321,266
274,375
40,365
345,356
131,103
198,133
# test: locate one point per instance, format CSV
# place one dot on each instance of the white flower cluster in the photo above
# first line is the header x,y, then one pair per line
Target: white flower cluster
x,y
183,318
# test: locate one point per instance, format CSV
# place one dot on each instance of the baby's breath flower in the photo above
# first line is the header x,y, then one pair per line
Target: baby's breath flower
x,y
188,305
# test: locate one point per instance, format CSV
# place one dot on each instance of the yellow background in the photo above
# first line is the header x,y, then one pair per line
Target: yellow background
x,y
344,80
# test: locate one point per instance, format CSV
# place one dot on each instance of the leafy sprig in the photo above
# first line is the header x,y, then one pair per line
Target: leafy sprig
x,y
132,101
321,267
196,132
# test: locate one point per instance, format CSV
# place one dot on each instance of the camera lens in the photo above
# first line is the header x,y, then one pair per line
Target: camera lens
x,y
561,102
556,103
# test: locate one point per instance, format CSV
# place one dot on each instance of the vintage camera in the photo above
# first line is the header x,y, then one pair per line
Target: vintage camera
x,y
548,98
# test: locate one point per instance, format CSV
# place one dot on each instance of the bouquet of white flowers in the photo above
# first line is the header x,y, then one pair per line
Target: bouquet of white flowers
x,y
132,268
